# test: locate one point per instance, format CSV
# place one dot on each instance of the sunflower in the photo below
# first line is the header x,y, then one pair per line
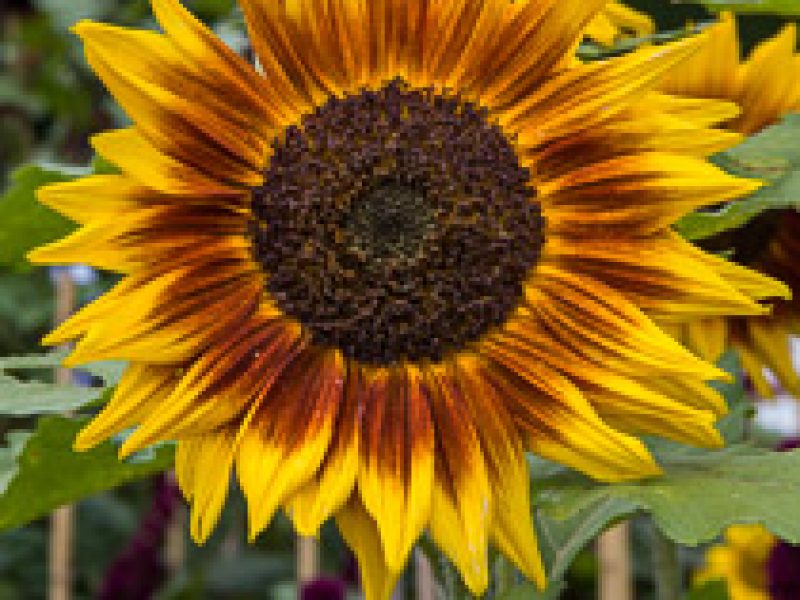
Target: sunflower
x,y
741,562
617,20
766,87
369,276
753,564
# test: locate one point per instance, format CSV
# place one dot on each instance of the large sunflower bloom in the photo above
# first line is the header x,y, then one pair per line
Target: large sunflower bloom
x,y
766,87
370,276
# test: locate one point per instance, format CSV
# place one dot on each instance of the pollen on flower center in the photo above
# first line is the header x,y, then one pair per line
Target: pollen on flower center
x,y
396,224
390,222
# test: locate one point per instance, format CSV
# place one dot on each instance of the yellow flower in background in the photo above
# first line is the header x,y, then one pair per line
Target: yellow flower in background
x,y
766,86
741,562
616,21
369,277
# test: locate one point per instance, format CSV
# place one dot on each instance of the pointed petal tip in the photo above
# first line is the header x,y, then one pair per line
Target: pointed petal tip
x,y
305,527
82,444
136,442
38,256
85,27
86,438
53,339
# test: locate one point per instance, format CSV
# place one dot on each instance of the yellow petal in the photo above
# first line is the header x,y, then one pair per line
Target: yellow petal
x,y
203,467
395,477
512,528
141,391
461,508
285,444
360,532
319,498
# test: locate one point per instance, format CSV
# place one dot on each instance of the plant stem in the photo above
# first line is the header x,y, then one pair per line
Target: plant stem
x,y
505,576
667,567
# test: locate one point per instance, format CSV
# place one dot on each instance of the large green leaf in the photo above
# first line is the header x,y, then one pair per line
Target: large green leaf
x,y
49,473
19,398
51,360
699,495
768,7
24,222
9,455
773,155
560,540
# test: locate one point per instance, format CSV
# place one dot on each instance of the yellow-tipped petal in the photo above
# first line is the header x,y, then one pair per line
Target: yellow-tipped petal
x,y
395,478
360,532
203,468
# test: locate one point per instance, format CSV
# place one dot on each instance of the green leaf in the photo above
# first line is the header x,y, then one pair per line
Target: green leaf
x,y
590,51
528,591
769,7
50,473
9,455
716,589
110,371
24,222
773,155
699,495
51,360
561,540
101,166
20,398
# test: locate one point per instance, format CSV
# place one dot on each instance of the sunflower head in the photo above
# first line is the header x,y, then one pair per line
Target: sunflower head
x,y
765,87
418,242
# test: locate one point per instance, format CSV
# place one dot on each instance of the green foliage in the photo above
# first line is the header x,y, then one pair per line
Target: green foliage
x,y
712,590
27,223
764,7
26,310
25,397
699,495
560,540
528,591
589,51
48,473
773,156
19,398
9,456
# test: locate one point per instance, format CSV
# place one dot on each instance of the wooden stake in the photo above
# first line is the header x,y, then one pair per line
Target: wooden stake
x,y
307,560
614,558
62,520
425,580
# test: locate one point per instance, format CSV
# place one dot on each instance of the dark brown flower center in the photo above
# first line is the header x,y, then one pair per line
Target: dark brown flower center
x,y
396,224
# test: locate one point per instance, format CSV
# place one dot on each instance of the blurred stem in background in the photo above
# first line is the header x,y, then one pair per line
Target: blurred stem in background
x,y
614,555
666,566
62,521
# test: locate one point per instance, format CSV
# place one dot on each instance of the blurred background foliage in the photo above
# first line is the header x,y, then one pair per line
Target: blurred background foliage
x,y
50,103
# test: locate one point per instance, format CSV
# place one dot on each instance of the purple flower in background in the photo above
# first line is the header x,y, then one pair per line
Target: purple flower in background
x,y
323,589
788,444
138,571
783,572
